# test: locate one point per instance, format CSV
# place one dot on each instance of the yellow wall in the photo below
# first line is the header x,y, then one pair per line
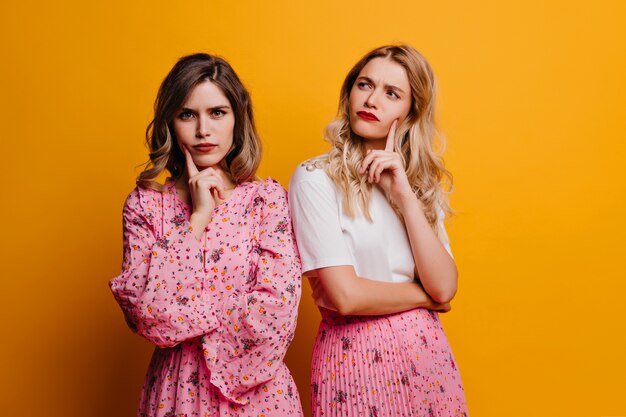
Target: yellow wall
x,y
532,101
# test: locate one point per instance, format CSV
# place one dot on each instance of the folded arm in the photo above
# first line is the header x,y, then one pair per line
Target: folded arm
x,y
339,288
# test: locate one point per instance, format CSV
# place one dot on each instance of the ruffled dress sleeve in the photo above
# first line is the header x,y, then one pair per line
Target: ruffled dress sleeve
x,y
258,325
160,286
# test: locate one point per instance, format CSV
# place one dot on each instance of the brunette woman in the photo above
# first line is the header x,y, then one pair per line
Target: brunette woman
x,y
211,274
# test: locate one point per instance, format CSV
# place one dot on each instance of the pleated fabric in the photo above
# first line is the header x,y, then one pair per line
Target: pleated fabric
x,y
385,366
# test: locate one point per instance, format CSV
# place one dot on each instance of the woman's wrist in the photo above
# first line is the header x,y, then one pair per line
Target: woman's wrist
x,y
408,202
199,221
202,211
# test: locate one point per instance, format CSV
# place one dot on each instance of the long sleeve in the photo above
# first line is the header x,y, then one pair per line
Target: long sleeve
x,y
258,325
160,287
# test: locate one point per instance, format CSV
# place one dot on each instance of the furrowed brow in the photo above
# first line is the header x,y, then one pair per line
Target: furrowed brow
x,y
393,87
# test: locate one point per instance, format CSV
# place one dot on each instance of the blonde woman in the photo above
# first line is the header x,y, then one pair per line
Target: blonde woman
x,y
368,218
211,274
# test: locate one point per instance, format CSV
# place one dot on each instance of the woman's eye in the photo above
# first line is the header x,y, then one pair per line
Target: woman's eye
x,y
363,85
218,113
393,94
185,115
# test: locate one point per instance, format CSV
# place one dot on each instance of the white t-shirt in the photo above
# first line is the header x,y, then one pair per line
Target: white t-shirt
x,y
378,250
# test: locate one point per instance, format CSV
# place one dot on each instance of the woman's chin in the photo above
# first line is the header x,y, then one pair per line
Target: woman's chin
x,y
369,135
368,132
206,162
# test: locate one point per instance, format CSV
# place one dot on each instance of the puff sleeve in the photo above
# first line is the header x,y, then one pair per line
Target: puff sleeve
x,y
160,286
258,325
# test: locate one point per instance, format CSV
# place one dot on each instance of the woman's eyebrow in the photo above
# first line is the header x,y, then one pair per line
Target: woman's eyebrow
x,y
393,87
218,107
389,86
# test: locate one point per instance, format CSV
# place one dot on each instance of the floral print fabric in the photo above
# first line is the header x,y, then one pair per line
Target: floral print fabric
x,y
221,311
385,366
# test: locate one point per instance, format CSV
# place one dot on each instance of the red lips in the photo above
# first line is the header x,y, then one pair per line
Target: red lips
x,y
205,147
367,116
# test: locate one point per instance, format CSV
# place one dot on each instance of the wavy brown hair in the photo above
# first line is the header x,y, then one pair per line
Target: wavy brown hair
x,y
241,161
417,140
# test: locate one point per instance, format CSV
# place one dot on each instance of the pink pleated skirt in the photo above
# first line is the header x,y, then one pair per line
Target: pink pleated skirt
x,y
385,366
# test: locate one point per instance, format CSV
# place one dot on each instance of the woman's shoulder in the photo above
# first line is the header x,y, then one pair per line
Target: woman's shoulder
x,y
269,187
261,186
311,170
145,198
268,190
144,206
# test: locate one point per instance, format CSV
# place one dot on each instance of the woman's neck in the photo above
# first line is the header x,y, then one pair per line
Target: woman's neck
x,y
374,144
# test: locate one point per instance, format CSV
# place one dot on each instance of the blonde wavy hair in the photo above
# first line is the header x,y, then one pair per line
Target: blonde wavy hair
x,y
241,161
417,140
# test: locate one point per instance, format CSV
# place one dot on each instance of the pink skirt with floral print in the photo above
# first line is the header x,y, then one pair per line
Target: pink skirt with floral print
x,y
385,366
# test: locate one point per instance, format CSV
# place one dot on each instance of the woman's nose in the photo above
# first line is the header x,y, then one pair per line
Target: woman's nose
x,y
202,129
371,100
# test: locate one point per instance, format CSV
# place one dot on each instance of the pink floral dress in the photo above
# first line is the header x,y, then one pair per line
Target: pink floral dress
x,y
221,310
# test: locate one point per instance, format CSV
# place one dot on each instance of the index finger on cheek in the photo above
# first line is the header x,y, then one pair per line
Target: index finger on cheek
x,y
391,137
191,166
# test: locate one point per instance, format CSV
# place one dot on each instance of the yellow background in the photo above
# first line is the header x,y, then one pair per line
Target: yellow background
x,y
532,101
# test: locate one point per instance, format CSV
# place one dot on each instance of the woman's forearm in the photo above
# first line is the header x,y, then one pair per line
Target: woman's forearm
x,y
341,289
435,267
375,297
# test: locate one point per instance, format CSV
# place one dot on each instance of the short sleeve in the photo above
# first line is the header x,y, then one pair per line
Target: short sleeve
x,y
315,214
442,234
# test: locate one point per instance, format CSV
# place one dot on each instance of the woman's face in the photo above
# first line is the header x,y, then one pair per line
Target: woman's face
x,y
204,125
380,95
